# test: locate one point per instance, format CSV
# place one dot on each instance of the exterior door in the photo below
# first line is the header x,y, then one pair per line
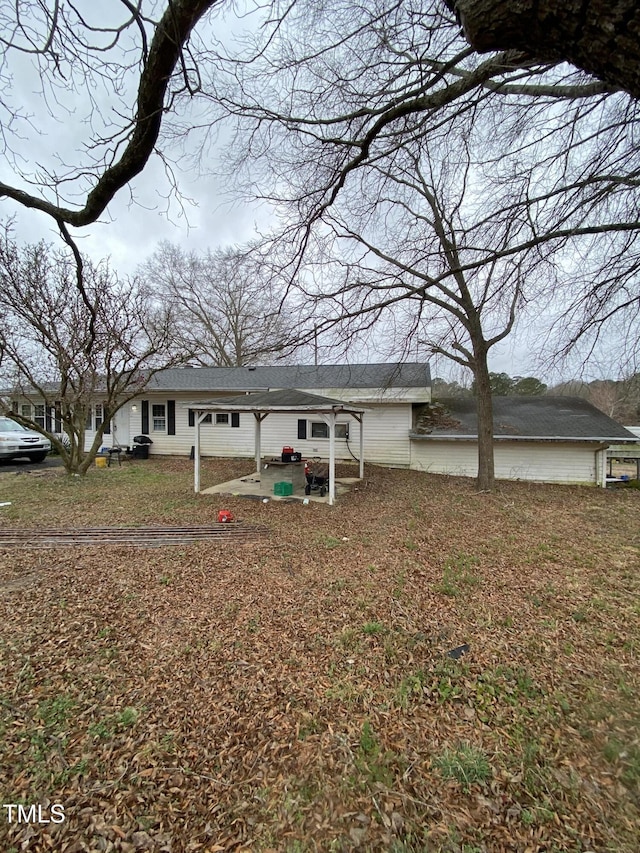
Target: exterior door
x,y
120,427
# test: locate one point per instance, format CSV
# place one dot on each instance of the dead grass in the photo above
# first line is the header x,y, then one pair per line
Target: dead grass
x,y
297,695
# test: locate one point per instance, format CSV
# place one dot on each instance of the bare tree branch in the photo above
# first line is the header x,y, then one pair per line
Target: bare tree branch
x,y
165,51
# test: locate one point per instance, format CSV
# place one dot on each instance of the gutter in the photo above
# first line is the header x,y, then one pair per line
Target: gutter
x,y
582,438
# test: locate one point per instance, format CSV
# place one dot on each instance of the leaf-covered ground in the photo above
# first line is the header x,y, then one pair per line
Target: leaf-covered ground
x,y
296,694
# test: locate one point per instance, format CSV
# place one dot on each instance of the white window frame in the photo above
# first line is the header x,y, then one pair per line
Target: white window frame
x,y
223,419
158,421
95,417
342,430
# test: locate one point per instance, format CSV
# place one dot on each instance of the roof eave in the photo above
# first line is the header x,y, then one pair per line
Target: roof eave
x,y
225,407
473,437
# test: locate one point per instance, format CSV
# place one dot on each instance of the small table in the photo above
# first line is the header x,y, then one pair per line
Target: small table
x,y
274,471
119,452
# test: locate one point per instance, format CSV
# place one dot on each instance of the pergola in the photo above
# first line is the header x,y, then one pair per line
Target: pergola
x,y
263,404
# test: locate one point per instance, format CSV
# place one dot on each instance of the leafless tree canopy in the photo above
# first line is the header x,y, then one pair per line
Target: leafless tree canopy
x,y
334,94
72,349
404,166
425,183
226,305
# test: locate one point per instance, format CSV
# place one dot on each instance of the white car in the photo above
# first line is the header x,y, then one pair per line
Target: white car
x,y
17,441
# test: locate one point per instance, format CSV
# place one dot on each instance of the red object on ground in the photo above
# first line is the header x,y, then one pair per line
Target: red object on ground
x,y
288,450
224,515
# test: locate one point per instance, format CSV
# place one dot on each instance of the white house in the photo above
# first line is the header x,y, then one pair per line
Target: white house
x,y
544,439
388,393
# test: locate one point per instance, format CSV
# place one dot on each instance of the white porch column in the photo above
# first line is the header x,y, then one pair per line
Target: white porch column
x,y
330,420
196,455
332,458
258,439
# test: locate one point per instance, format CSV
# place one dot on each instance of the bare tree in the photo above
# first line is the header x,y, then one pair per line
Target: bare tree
x,y
128,70
333,90
618,398
411,250
600,36
68,349
346,97
226,304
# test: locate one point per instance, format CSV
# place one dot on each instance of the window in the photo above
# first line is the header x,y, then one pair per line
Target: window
x,y
321,430
39,415
95,415
25,410
222,419
159,417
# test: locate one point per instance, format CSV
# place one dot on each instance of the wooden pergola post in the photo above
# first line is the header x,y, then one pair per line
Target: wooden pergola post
x,y
196,455
258,438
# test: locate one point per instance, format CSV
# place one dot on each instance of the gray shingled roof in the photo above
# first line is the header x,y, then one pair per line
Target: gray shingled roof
x,y
522,418
409,375
285,400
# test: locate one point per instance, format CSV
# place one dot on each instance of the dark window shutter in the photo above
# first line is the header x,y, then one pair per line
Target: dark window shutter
x,y
14,405
235,419
192,417
302,428
58,418
171,417
145,417
107,421
47,419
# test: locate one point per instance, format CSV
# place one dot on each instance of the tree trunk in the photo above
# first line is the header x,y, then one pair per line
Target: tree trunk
x,y
601,37
486,470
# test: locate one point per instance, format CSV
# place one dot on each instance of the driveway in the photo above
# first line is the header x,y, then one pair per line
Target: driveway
x,y
15,465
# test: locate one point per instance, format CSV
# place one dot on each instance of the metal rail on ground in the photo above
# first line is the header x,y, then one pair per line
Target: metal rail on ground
x,y
52,537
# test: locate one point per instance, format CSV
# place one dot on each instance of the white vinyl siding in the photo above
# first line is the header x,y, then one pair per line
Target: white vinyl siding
x,y
386,433
386,436
544,462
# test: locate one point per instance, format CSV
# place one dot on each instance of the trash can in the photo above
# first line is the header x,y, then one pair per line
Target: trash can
x,y
140,448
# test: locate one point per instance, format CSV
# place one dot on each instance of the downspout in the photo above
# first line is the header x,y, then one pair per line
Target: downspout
x,y
601,467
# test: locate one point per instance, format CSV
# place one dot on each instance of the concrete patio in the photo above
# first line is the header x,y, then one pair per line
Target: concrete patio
x,y
249,487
